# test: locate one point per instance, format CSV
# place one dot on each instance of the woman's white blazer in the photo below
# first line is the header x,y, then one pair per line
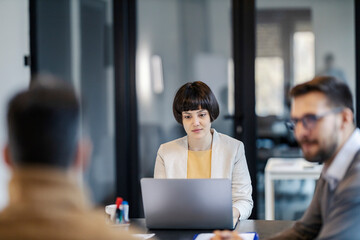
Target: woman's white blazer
x,y
227,161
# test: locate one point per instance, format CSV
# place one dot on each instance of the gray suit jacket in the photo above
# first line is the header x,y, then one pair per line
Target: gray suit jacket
x,y
227,161
331,214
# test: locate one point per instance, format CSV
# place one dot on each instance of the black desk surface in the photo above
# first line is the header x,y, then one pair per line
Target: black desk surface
x,y
264,228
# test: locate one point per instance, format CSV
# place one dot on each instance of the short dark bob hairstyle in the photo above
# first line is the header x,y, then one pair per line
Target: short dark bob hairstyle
x,y
337,92
193,96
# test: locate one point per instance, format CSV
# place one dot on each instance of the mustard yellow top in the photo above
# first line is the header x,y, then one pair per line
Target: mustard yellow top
x,y
199,164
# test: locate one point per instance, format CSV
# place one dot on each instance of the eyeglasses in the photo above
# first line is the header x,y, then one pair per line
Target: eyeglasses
x,y
309,120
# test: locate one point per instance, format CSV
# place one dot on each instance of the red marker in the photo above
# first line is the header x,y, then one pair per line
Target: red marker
x,y
118,216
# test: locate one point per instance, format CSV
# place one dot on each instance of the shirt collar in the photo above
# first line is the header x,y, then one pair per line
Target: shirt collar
x,y
336,171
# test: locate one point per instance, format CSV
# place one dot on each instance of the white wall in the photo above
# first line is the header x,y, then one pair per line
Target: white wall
x,y
14,44
333,25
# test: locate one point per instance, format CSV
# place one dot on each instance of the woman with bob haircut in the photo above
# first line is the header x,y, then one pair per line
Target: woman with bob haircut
x,y
203,152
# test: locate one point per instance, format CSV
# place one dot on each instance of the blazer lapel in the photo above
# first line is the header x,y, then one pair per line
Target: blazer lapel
x,y
216,163
182,156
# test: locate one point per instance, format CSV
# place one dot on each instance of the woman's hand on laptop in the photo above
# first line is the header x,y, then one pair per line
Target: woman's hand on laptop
x,y
236,213
226,235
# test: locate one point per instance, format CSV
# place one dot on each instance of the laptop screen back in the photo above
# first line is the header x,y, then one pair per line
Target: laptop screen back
x,y
187,203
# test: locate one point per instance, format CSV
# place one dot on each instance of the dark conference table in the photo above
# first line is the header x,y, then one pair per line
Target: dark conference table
x,y
264,228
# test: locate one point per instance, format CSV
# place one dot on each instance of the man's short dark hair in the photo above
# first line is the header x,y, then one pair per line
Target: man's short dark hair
x,y
337,93
193,96
43,124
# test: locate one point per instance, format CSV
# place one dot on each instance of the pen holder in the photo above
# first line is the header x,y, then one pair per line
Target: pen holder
x,y
120,216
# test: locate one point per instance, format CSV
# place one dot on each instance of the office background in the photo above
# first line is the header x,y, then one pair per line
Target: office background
x,y
127,58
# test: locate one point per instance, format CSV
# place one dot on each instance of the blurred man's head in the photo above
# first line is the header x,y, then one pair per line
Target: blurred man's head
x,y
43,125
322,117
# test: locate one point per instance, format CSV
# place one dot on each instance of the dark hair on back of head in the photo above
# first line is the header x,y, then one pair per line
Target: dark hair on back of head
x,y
193,96
337,92
43,124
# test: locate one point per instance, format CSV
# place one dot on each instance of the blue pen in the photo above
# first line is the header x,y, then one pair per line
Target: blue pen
x,y
125,211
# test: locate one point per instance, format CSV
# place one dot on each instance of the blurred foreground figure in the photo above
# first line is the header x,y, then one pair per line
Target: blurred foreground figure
x,y
46,156
322,118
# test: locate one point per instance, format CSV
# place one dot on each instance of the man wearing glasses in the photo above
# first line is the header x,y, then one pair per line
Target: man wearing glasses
x,y
322,120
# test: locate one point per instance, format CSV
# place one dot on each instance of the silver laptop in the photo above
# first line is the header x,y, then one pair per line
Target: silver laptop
x,y
187,203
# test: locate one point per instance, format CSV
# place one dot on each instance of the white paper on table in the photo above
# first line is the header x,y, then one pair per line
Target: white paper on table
x,y
144,236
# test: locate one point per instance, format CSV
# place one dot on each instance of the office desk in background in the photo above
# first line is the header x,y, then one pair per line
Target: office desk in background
x,y
264,229
286,169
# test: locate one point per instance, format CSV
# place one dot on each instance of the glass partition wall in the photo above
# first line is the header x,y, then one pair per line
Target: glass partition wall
x,y
72,39
178,41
